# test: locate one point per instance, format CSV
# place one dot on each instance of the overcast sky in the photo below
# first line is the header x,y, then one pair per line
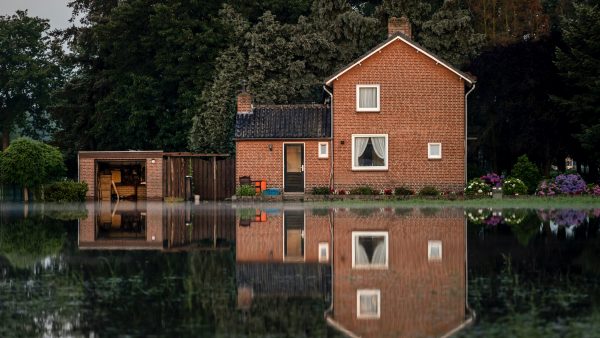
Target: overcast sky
x,y
55,10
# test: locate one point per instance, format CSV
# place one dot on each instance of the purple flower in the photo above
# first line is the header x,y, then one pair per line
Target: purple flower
x,y
571,184
492,179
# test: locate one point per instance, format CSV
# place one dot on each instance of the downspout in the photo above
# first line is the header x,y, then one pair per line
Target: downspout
x,y
331,184
466,115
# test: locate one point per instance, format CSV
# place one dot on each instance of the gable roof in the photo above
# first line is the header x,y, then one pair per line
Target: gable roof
x,y
284,121
400,37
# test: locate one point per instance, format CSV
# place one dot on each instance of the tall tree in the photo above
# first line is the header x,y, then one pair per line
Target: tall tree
x,y
579,65
28,74
450,34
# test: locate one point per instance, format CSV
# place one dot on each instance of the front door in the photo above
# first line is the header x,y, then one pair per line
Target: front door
x,y
293,161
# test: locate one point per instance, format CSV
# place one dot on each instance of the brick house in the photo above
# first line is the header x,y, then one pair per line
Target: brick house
x,y
397,118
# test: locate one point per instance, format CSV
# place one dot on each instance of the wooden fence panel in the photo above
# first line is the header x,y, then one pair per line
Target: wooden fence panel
x,y
213,177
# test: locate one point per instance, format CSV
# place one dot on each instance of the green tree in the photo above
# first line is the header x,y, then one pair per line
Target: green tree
x,y
528,172
28,74
579,67
450,34
30,164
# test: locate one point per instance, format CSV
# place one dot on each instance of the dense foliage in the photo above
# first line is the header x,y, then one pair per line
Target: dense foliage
x,y
29,164
514,186
65,191
527,172
164,74
477,187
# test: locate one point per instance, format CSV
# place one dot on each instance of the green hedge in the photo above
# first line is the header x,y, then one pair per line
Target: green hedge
x,y
246,190
65,191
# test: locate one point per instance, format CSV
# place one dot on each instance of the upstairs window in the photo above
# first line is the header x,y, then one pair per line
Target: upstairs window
x,y
367,98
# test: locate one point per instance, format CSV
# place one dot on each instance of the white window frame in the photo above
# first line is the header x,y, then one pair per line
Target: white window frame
x,y
385,234
372,168
376,109
368,292
326,154
430,245
324,245
430,155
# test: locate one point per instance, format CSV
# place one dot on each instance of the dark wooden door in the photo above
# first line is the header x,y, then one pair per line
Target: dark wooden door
x,y
294,167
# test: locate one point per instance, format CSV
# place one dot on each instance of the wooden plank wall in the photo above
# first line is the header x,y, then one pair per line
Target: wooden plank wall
x,y
213,177
212,227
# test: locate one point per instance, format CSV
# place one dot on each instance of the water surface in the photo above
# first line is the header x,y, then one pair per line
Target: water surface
x,y
293,270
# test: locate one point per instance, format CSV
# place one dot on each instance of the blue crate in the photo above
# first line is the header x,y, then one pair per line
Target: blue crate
x,y
271,192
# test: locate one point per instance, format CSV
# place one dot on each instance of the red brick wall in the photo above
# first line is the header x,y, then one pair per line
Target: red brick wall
x,y
421,102
254,159
419,298
263,241
154,175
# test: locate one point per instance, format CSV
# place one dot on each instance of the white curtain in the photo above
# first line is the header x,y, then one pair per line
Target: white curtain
x,y
379,146
368,97
361,255
360,144
379,254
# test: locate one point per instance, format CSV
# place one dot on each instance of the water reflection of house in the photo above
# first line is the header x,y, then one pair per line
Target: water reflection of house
x,y
282,253
399,274
145,225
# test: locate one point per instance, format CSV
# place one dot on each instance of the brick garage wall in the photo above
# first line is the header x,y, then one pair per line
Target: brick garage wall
x,y
418,297
263,241
154,178
254,159
421,102
87,170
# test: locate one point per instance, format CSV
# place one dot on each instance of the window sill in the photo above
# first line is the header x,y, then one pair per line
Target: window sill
x,y
368,110
367,267
369,169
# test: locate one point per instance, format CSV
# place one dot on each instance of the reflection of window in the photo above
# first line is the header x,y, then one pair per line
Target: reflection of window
x,y
367,98
434,250
434,150
369,152
323,252
369,249
368,304
323,150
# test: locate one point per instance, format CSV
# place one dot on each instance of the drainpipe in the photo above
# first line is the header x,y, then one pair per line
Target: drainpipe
x,y
331,184
466,111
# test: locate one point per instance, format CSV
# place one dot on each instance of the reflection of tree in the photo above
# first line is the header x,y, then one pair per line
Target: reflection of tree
x,y
26,241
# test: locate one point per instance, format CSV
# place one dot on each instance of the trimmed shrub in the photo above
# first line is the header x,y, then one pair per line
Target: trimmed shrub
x,y
477,187
429,191
528,172
246,190
65,191
514,186
321,191
403,191
365,190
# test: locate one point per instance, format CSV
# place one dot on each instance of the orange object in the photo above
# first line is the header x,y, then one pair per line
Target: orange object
x,y
263,216
263,185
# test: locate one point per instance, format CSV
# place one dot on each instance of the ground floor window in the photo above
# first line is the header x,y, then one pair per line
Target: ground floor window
x,y
369,152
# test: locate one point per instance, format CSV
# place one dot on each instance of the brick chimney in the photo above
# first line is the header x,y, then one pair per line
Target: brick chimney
x,y
401,25
244,103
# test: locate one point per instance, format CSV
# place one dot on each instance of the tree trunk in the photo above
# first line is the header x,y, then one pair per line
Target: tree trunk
x,y
25,194
5,136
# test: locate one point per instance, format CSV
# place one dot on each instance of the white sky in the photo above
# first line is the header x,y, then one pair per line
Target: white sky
x,y
55,10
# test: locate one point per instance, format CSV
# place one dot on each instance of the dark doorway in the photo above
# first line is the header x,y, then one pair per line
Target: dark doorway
x,y
293,167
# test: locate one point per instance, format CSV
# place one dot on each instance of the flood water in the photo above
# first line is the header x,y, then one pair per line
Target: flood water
x,y
293,270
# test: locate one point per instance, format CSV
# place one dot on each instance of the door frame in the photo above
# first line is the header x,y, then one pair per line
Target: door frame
x,y
304,237
303,163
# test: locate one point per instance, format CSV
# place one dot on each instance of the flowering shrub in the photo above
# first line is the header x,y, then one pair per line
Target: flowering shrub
x,y
571,184
477,187
514,186
594,190
492,179
387,192
547,188
403,191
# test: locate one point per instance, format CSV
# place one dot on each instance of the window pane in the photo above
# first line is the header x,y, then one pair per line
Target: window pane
x,y
370,251
370,151
368,304
434,150
367,97
323,149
